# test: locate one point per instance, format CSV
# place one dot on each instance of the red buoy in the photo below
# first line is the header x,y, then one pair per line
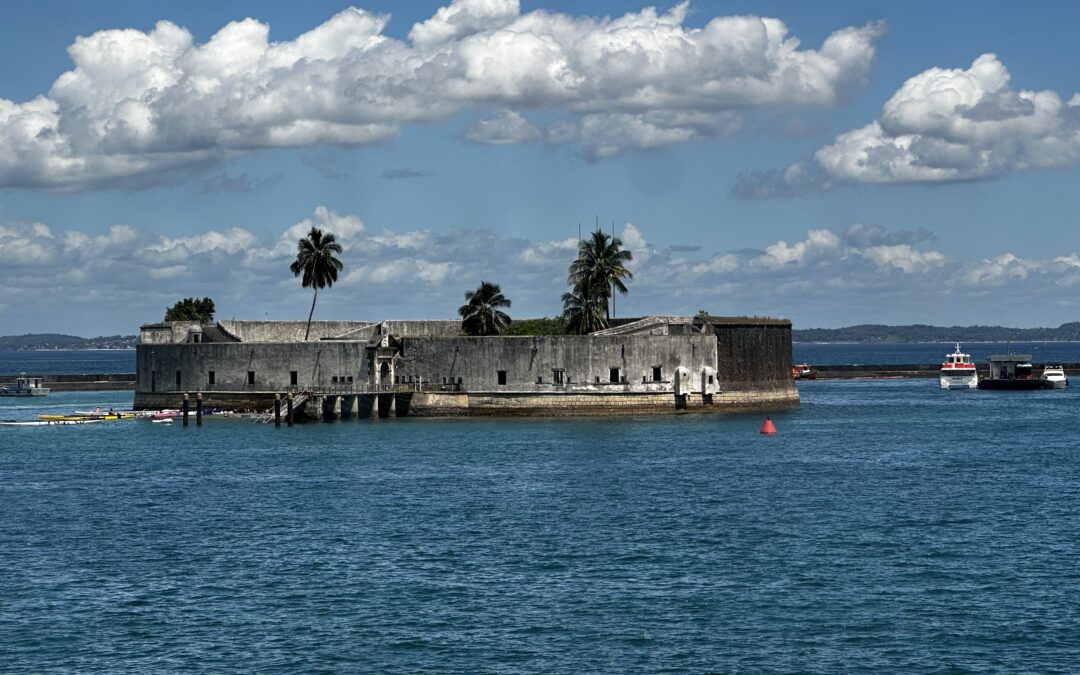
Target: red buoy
x,y
768,427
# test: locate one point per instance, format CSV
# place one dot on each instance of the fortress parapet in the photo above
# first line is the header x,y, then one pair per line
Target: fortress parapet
x,y
428,368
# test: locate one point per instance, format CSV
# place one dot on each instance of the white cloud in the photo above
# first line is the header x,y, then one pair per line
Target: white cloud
x,y
136,104
817,245
944,124
502,128
865,273
904,257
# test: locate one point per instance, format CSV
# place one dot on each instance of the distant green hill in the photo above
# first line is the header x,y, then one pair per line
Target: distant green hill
x,y
56,341
1066,332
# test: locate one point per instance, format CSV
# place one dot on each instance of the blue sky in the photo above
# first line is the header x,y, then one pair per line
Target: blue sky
x,y
834,164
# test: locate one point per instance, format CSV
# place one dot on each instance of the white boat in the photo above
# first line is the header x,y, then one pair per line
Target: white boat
x,y
24,386
958,372
1053,377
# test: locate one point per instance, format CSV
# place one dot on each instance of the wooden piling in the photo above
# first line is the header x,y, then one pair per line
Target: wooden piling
x,y
277,410
184,409
289,412
198,409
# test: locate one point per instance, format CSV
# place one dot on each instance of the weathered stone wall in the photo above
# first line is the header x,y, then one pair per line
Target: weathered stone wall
x,y
752,362
421,328
288,331
529,362
317,364
167,332
754,355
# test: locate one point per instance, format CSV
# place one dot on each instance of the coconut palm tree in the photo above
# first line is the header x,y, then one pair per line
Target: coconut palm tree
x,y
480,314
602,260
584,308
315,260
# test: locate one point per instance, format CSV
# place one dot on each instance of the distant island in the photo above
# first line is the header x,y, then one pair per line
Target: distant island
x,y
43,341
866,333
877,333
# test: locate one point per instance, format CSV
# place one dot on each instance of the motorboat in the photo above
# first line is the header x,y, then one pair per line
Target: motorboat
x,y
802,371
1053,377
25,386
958,372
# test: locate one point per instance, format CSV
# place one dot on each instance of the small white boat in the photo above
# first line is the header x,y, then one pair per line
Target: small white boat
x,y
25,386
1053,377
958,372
162,420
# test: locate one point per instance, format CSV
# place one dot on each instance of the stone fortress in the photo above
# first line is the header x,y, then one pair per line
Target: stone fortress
x,y
658,364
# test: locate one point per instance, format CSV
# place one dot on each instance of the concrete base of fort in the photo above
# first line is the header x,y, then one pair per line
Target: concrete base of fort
x,y
489,404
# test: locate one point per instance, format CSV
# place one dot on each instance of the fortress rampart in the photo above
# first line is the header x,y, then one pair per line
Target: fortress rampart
x,y
421,368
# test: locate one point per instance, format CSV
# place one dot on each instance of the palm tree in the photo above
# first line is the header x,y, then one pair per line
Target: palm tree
x,y
315,260
480,314
602,260
584,308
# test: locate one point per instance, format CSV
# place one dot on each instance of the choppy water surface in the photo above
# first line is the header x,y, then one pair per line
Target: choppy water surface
x,y
889,527
67,361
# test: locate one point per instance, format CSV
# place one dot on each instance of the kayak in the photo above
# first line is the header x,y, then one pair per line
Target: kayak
x,y
121,414
76,418
47,423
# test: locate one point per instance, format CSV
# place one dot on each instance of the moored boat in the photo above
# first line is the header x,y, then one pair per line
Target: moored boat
x,y
1053,377
25,386
802,371
1011,372
958,372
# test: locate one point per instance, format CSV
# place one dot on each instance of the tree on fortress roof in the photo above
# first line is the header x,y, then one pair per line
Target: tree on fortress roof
x,y
602,261
480,315
584,308
191,309
315,260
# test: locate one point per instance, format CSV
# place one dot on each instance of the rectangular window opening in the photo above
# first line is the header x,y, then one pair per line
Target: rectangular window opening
x,y
502,377
251,377
613,376
210,377
179,378
657,374
558,376
292,377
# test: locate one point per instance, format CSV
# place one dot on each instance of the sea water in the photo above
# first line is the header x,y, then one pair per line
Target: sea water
x,y
888,527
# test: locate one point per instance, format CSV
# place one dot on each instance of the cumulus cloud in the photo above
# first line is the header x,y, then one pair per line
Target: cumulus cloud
x,y
864,273
136,104
942,125
503,128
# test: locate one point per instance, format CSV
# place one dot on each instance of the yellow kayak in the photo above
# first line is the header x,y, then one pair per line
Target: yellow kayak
x,y
73,418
